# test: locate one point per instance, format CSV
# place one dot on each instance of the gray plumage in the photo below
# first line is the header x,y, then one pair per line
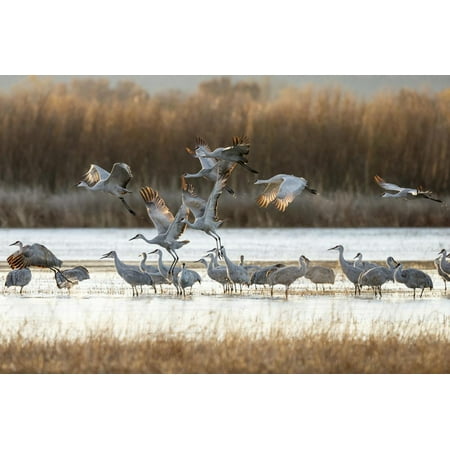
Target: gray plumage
x,y
66,279
235,153
250,268
211,168
187,278
350,271
443,267
171,277
169,228
379,275
153,271
18,277
130,274
218,274
236,273
286,276
260,277
206,217
114,183
413,278
318,274
401,192
281,190
32,255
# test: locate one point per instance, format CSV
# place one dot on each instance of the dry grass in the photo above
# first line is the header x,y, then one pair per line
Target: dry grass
x,y
391,351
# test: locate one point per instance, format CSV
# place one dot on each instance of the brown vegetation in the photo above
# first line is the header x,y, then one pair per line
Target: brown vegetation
x,y
50,133
310,351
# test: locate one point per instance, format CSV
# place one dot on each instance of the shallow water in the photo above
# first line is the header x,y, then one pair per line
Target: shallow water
x,y
261,244
105,302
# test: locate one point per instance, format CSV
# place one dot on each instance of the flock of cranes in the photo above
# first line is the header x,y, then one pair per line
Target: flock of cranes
x,y
202,214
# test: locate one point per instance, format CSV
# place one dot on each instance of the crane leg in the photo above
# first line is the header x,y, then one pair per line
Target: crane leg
x,y
126,206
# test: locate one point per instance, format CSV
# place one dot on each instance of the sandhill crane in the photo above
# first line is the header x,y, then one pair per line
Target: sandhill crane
x,y
401,192
32,255
171,277
211,168
250,268
282,189
207,219
286,276
318,274
260,277
114,183
413,278
130,274
234,153
350,271
377,276
169,228
187,278
443,267
218,274
18,277
236,273
153,271
66,279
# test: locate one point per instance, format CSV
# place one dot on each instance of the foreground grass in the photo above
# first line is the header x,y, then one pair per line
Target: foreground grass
x,y
310,352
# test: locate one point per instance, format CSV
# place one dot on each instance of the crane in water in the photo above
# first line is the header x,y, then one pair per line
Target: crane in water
x,y
443,266
32,255
413,278
216,273
396,191
170,276
376,276
281,190
130,274
153,271
169,228
286,276
66,279
187,278
236,273
260,277
114,182
318,274
350,271
18,277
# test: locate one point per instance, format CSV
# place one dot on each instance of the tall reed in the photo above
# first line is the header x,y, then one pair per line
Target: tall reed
x,y
50,133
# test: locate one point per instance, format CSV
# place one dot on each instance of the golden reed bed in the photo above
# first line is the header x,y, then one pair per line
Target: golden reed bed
x,y
387,349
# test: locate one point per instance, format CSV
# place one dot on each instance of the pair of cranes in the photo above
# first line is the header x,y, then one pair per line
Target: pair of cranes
x,y
362,273
37,255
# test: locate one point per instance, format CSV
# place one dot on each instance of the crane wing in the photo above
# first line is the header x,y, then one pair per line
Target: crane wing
x,y
190,198
393,187
210,213
269,194
289,189
177,227
120,174
94,175
157,210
